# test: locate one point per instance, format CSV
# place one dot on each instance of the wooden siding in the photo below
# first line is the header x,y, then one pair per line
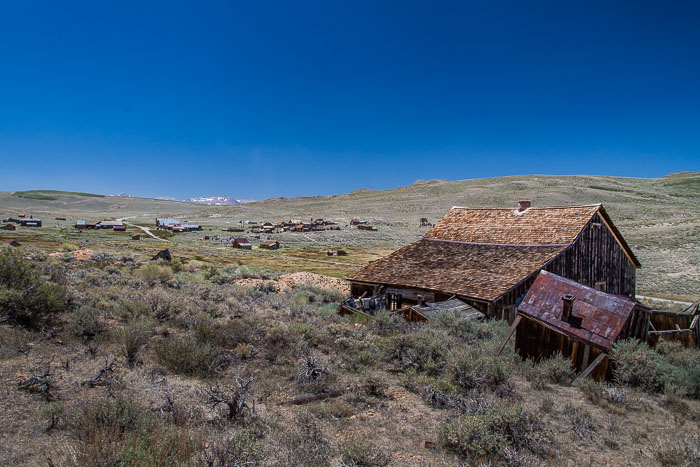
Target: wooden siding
x,y
537,341
596,256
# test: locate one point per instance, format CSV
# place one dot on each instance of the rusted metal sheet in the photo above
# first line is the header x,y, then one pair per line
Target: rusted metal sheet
x,y
603,315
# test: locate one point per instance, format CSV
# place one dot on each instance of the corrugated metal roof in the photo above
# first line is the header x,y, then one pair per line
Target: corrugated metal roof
x,y
603,315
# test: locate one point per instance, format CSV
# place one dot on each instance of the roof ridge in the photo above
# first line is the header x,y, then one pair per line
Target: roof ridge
x,y
533,207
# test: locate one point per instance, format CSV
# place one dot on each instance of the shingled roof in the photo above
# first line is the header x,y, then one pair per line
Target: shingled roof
x,y
604,315
483,253
533,226
465,269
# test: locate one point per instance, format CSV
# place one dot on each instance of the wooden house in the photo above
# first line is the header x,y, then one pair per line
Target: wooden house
x,y
30,222
490,257
8,227
270,245
242,243
581,323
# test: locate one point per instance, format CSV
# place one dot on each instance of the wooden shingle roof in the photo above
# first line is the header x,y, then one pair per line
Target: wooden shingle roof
x,y
466,269
533,226
484,253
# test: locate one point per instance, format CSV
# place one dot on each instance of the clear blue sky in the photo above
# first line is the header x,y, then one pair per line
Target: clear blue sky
x,y
263,98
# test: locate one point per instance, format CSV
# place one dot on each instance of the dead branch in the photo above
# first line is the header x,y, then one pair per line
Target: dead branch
x,y
103,377
315,397
311,370
236,398
38,384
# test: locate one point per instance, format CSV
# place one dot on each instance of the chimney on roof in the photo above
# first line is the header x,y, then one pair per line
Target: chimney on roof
x,y
568,306
523,204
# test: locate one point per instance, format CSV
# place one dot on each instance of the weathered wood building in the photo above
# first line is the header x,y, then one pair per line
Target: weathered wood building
x,y
490,257
560,316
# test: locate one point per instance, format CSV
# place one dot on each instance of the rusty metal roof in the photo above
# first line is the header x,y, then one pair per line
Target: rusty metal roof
x,y
470,270
603,315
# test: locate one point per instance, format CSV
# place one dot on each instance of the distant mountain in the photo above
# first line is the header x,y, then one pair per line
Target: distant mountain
x,y
221,200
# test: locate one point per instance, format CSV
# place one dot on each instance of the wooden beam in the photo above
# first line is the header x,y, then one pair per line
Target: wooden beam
x,y
508,335
589,370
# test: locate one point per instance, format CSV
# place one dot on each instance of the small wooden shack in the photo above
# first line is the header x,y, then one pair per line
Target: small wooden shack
x,y
270,245
30,222
136,237
242,243
581,323
371,228
8,227
681,326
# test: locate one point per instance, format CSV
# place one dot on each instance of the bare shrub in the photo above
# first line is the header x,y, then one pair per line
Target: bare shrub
x,y
311,370
238,399
581,421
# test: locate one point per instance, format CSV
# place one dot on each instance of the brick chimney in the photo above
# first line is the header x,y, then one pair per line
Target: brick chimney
x,y
523,204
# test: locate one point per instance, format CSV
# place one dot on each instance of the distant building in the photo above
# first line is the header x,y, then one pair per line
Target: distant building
x,y
8,227
114,225
30,222
166,223
242,243
270,245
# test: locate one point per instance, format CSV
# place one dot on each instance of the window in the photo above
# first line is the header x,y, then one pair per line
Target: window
x,y
602,286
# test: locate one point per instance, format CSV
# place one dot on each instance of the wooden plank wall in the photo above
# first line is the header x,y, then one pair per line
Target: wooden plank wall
x,y
595,257
532,340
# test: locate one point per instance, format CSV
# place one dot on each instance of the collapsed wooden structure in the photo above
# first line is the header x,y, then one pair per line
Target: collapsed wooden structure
x,y
489,258
560,316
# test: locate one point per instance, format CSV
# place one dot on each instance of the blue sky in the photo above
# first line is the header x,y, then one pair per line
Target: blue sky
x,y
264,98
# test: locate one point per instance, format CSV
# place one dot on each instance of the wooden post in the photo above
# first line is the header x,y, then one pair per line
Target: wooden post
x,y
508,335
589,370
586,353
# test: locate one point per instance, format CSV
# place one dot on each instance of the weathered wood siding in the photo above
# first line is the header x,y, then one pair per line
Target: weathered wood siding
x,y
533,340
597,257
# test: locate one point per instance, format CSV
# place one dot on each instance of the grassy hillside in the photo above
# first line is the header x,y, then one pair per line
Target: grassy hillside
x,y
659,218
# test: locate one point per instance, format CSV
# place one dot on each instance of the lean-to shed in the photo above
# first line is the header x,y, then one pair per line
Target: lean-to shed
x,y
490,257
581,323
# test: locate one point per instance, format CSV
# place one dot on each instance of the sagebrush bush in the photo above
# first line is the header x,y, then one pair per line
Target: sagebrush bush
x,y
486,435
304,443
423,351
242,449
154,273
26,296
188,356
132,337
86,322
554,370
119,432
358,452
636,364
478,371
